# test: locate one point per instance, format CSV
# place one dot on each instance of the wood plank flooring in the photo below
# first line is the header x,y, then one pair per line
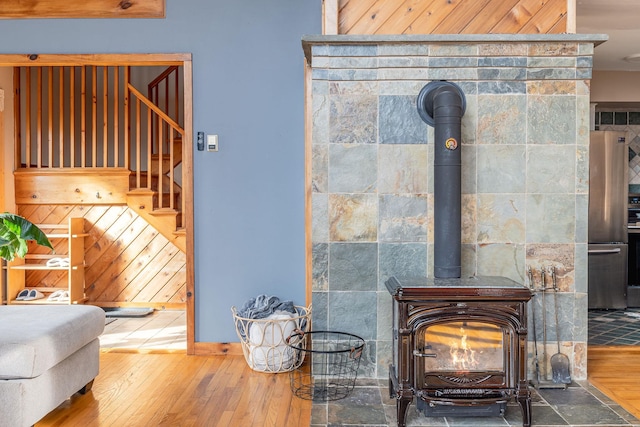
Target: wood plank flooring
x,y
161,331
615,371
173,389
135,389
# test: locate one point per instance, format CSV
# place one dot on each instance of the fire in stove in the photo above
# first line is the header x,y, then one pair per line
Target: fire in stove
x,y
463,347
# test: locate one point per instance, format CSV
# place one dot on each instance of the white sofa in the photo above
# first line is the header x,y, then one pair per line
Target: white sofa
x,y
47,353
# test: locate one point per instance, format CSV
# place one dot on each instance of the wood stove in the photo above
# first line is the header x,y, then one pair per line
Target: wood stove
x,y
459,346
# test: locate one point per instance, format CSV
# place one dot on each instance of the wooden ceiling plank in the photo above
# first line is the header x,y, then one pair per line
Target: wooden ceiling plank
x,y
429,20
404,16
518,16
455,22
351,12
489,16
82,9
375,18
545,18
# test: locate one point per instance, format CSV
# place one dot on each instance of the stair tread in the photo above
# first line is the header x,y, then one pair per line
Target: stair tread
x,y
164,211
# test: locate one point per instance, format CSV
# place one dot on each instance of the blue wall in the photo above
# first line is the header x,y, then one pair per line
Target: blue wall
x,y
248,88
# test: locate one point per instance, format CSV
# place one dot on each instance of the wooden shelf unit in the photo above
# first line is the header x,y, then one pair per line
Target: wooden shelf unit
x,y
74,233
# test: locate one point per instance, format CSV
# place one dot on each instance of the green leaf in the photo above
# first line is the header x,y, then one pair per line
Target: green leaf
x,y
14,233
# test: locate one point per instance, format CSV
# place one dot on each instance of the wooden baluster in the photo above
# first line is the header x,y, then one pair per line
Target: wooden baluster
x,y
127,112
27,129
72,117
154,136
94,116
17,119
116,117
50,116
61,117
177,96
171,190
160,163
138,152
39,122
149,127
83,117
166,109
105,116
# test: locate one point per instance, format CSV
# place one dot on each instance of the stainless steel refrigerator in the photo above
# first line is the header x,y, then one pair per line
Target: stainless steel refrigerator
x,y
608,191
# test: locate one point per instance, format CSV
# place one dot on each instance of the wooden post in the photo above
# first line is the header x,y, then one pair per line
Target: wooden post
x,y
72,116
308,191
571,16
330,17
17,118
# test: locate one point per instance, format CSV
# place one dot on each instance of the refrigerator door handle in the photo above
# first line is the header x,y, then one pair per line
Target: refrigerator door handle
x,y
603,251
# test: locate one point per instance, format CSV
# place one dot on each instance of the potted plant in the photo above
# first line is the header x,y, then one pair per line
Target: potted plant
x,y
15,231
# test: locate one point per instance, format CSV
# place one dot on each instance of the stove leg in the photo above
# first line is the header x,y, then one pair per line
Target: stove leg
x,y
402,405
525,406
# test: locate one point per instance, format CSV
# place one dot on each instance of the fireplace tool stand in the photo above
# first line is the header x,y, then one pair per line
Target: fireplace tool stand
x,y
559,362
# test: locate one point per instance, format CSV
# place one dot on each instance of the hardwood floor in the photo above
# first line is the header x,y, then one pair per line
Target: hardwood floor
x,y
172,389
161,331
615,371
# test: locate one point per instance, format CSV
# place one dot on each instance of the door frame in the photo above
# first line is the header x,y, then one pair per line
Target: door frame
x,y
134,59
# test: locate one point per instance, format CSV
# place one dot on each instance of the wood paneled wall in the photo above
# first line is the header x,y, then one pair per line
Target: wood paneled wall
x,y
128,262
449,16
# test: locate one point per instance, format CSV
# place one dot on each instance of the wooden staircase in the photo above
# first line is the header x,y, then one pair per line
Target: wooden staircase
x,y
110,124
164,220
159,201
144,201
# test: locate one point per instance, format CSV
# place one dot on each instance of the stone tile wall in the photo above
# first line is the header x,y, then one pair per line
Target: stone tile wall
x,y
524,179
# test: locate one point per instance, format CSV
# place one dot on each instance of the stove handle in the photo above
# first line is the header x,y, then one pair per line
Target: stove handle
x,y
418,354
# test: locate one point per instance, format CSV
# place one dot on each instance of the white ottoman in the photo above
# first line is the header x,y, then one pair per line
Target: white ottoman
x,y
47,353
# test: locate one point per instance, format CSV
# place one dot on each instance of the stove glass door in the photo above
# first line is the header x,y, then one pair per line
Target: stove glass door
x,y
461,346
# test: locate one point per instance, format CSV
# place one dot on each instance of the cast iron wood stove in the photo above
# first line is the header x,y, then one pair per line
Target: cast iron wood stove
x,y
459,346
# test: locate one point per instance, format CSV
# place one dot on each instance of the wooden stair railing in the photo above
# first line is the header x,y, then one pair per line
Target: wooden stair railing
x,y
157,179
92,117
164,92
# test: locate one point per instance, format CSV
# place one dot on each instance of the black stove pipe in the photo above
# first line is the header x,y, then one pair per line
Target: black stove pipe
x,y
441,104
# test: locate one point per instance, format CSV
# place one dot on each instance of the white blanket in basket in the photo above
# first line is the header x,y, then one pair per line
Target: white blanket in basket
x,y
267,347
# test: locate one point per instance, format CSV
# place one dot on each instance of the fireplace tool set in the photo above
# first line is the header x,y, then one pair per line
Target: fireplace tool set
x,y
560,373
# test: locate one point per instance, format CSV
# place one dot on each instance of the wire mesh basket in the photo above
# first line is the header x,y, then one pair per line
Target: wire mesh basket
x,y
264,340
331,368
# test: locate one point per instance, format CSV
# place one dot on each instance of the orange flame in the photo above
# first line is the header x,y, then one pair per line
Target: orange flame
x,y
462,355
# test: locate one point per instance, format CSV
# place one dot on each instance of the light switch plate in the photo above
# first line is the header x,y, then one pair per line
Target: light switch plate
x,y
212,142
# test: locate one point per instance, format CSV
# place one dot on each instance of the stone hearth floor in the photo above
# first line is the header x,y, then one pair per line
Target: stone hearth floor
x,y
614,327
579,405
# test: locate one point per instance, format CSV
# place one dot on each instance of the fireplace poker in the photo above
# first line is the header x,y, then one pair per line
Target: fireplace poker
x,y
559,361
535,335
544,325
